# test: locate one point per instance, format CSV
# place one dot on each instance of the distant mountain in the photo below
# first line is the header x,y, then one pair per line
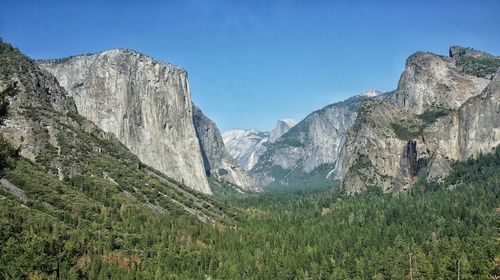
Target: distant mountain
x,y
282,127
247,145
309,153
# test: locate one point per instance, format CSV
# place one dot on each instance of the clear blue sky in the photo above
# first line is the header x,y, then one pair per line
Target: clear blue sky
x,y
253,62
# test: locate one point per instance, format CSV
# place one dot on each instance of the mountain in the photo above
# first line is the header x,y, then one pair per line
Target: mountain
x,y
444,110
390,140
247,145
282,127
431,81
216,158
60,161
310,152
146,104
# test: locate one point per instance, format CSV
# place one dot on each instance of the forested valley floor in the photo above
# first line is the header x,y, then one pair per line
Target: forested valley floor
x,y
435,231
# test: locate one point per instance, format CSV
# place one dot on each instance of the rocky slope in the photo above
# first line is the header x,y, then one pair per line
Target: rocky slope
x,y
374,151
216,158
310,152
442,111
145,103
64,163
247,145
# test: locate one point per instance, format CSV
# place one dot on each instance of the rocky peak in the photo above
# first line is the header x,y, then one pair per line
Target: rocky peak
x,y
282,127
441,112
432,81
457,51
312,150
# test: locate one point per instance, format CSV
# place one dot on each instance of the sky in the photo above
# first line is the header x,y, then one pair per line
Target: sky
x,y
251,63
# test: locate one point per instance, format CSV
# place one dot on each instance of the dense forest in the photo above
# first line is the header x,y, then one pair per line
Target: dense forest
x,y
436,231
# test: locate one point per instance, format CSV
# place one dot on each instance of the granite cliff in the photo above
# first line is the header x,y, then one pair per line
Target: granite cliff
x,y
431,81
145,103
61,162
444,110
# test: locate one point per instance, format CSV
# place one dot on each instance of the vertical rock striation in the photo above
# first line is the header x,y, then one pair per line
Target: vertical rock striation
x,y
145,103
472,130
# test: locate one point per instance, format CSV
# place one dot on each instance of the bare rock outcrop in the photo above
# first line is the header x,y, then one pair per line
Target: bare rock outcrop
x,y
433,81
442,112
146,104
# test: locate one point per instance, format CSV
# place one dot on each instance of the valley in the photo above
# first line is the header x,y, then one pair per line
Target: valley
x,y
110,171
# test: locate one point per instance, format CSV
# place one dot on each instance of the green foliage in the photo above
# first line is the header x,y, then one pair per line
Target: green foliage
x,y
478,66
76,117
11,90
113,218
407,131
431,115
8,155
12,61
290,141
223,189
223,172
276,171
361,162
289,179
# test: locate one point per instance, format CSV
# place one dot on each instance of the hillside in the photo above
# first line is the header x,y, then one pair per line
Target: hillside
x,y
71,191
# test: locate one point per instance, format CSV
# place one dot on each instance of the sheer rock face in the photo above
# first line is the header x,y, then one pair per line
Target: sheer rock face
x,y
432,81
379,154
145,103
282,127
216,158
471,130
